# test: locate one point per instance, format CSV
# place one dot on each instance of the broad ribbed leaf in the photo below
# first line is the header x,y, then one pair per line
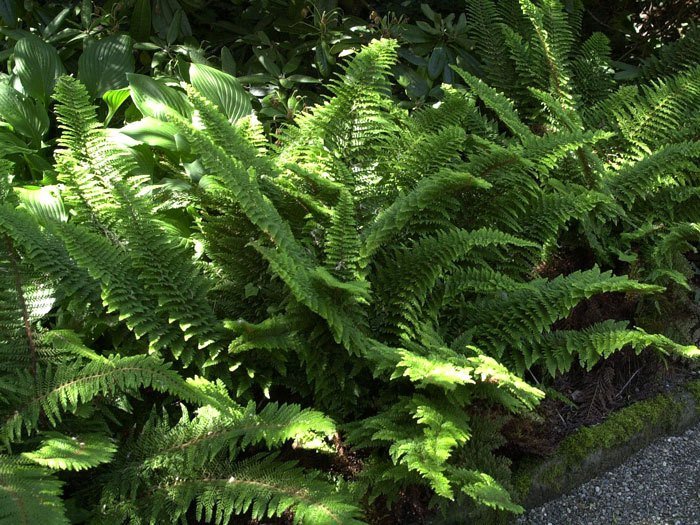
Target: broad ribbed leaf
x,y
155,99
104,64
28,118
222,89
114,98
37,66
152,132
44,203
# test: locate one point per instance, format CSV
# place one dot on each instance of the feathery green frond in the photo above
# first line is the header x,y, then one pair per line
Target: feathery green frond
x,y
29,494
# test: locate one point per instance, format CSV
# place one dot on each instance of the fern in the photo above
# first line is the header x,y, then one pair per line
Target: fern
x,y
381,268
29,493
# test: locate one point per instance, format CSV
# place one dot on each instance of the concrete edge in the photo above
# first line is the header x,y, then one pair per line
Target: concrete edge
x,y
591,451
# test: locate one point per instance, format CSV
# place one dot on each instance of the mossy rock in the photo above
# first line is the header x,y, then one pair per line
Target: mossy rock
x,y
593,450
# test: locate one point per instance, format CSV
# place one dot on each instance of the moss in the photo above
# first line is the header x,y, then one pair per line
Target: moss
x,y
661,412
694,388
552,477
522,477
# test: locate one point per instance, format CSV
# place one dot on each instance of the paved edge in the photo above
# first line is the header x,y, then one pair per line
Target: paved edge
x,y
593,450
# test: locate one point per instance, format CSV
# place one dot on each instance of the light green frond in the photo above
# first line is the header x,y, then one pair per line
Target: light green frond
x,y
29,494
75,452
525,314
498,103
390,221
261,485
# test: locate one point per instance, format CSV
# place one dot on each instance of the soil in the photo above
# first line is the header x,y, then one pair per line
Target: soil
x,y
583,398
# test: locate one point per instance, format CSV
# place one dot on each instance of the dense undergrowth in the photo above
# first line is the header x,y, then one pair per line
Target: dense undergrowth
x,y
201,322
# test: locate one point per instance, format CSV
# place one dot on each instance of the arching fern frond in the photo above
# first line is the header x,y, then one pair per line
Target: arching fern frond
x,y
29,494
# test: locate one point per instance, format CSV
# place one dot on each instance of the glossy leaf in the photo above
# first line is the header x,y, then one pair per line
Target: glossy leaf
x,y
11,144
44,203
152,132
222,89
437,62
154,99
104,64
37,66
114,98
28,118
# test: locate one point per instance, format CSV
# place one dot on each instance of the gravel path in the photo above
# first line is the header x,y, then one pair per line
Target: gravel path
x,y
657,486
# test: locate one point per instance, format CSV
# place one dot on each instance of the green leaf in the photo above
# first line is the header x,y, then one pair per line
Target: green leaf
x,y
228,63
37,66
324,59
152,132
28,118
155,99
11,144
437,62
29,494
140,26
53,26
9,12
61,452
114,98
104,64
44,203
174,28
222,89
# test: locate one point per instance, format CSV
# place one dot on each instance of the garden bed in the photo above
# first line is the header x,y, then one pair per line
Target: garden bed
x,y
591,450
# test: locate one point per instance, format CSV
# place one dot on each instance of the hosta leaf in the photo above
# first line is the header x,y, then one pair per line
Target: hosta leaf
x,y
104,64
28,118
152,132
11,144
44,203
37,66
222,89
155,99
114,98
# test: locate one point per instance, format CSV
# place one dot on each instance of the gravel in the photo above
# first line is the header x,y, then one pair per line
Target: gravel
x,y
660,485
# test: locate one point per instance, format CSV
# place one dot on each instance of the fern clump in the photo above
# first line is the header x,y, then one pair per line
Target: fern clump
x,y
377,266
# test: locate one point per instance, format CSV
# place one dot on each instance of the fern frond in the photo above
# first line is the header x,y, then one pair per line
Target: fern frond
x,y
670,166
552,43
77,452
261,485
416,270
343,240
591,70
498,103
97,172
557,349
653,116
395,217
29,494
674,57
485,24
54,391
525,314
